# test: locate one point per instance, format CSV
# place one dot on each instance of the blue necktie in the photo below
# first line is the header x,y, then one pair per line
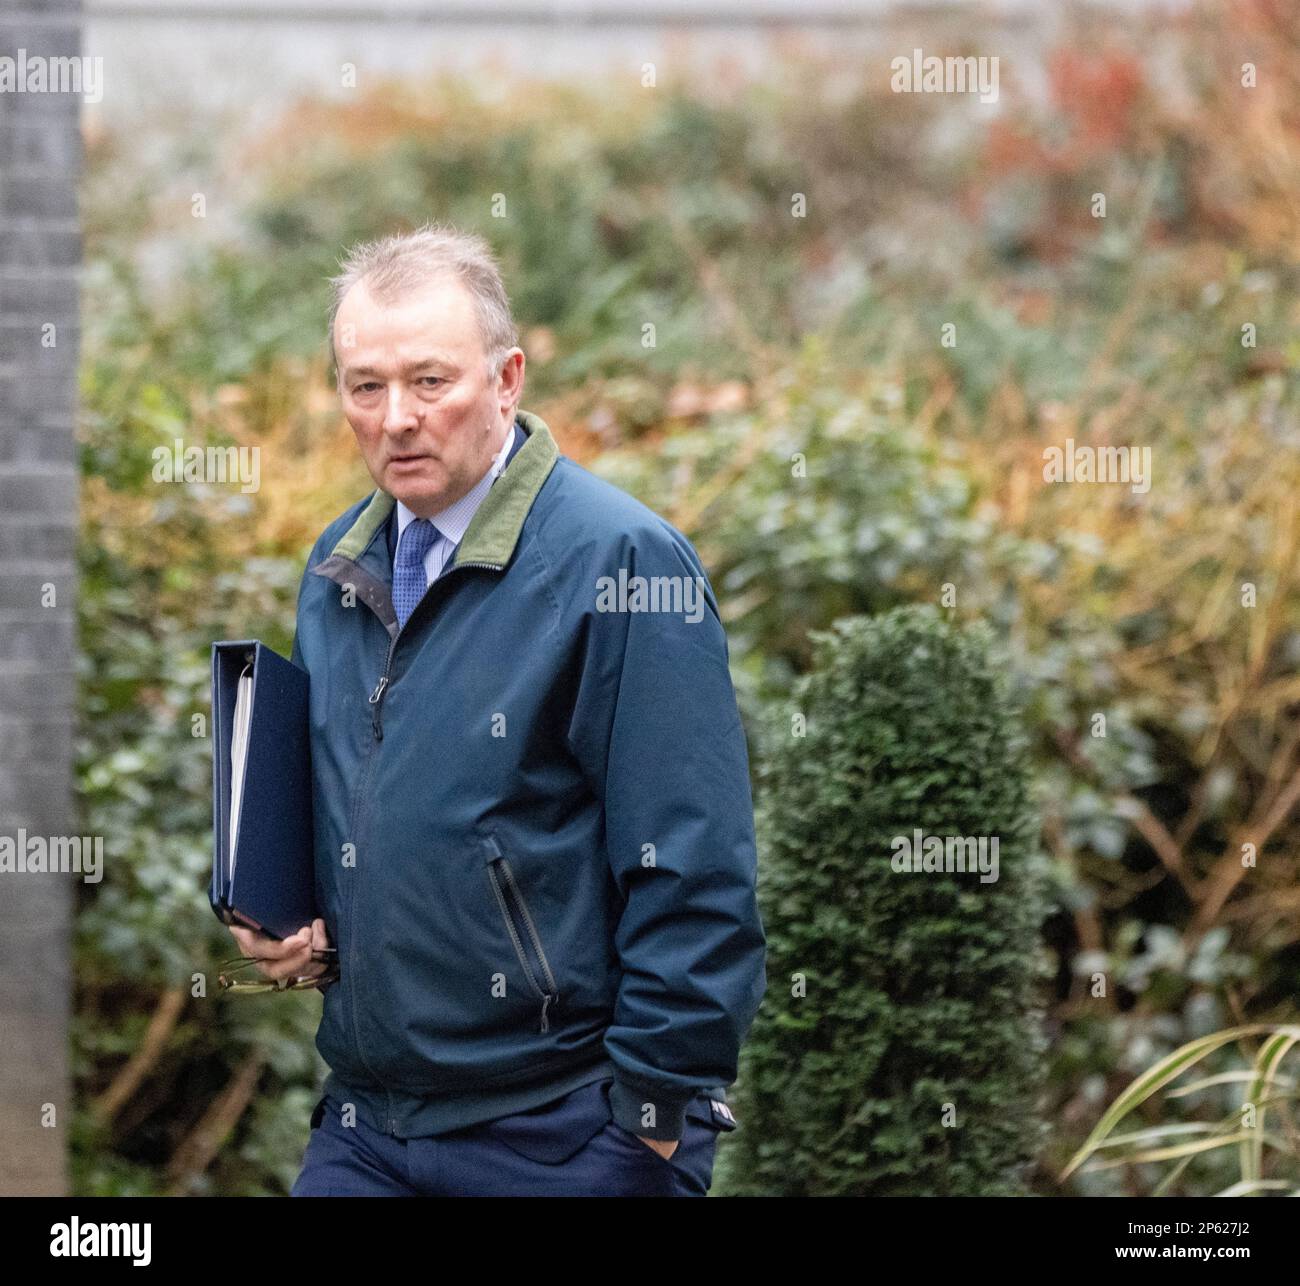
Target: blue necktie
x,y
409,580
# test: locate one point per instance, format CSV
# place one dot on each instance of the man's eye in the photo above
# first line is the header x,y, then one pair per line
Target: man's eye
x,y
363,388
437,379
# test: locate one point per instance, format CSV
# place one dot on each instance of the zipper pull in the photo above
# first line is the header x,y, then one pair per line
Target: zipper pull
x,y
377,700
546,1026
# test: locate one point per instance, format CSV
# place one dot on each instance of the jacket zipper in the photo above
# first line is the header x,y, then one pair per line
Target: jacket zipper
x,y
381,688
358,813
377,696
512,892
376,701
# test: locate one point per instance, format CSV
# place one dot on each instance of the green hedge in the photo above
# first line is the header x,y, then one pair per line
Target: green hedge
x,y
892,994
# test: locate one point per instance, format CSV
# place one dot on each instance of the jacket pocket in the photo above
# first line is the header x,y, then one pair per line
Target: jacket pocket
x,y
521,927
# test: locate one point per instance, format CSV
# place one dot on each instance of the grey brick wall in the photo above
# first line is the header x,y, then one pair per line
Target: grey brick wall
x,y
40,255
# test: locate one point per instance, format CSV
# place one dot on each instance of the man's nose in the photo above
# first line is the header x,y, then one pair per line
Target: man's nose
x,y
399,410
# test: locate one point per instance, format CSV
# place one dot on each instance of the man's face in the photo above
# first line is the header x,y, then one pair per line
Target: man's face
x,y
415,389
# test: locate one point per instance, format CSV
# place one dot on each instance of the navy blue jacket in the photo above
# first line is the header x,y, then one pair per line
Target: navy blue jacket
x,y
534,831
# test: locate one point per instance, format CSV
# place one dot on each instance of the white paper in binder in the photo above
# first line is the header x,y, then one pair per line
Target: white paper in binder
x,y
239,754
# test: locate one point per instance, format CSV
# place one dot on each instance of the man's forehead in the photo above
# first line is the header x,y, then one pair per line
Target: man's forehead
x,y
363,343
367,361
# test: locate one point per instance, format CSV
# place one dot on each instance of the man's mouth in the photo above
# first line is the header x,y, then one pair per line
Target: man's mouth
x,y
406,459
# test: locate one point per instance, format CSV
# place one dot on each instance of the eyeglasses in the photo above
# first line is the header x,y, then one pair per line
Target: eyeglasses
x,y
304,983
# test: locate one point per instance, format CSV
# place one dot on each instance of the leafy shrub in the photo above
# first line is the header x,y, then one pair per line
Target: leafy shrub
x,y
899,1050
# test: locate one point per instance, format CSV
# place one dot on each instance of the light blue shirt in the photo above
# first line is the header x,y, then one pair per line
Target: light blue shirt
x,y
454,520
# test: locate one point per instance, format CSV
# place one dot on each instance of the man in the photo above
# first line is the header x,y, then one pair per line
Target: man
x,y
533,826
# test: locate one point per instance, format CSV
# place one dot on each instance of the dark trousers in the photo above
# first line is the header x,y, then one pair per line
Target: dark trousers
x,y
568,1148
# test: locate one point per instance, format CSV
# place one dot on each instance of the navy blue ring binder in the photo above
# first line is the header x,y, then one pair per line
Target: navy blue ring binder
x,y
267,880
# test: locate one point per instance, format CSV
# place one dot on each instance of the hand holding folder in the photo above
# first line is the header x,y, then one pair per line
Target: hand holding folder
x,y
303,961
263,874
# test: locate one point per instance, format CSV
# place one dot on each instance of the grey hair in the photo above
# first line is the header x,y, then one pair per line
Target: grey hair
x,y
394,266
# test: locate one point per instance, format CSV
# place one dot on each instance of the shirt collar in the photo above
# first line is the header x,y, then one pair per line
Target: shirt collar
x,y
454,520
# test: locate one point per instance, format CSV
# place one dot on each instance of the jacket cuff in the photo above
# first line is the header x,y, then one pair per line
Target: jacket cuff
x,y
628,1104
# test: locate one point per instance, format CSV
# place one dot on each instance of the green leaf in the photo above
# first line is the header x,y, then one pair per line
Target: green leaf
x,y
1167,1069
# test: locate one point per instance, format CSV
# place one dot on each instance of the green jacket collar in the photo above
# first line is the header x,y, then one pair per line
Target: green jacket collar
x,y
494,530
